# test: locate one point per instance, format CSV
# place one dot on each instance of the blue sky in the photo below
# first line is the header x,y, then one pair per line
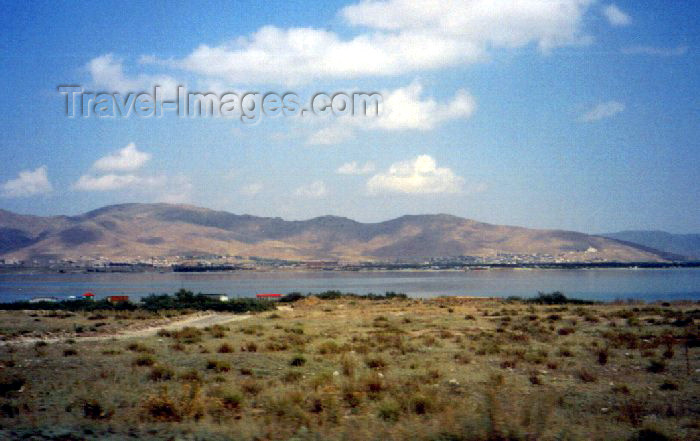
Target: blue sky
x,y
572,114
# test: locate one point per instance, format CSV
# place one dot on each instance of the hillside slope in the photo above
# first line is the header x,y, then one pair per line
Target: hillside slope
x,y
687,245
144,230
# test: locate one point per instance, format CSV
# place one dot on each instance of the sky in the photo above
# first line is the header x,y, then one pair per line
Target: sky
x,y
569,114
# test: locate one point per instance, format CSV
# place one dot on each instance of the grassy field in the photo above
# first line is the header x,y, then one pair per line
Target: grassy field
x,y
356,369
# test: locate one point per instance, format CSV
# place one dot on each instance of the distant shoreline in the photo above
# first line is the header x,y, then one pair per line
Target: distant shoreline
x,y
380,267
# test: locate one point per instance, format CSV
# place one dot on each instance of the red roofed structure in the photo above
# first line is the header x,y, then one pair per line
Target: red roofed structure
x,y
268,296
89,296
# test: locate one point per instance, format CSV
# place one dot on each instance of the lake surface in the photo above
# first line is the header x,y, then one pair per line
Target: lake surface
x,y
598,284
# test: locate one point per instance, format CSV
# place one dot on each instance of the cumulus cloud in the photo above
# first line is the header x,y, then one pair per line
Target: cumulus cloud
x,y
127,159
112,181
28,183
404,108
656,51
354,168
107,73
396,37
604,110
615,16
118,171
420,175
313,190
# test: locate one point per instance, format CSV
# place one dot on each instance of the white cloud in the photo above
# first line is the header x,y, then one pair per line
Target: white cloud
x,y
127,159
28,183
107,74
404,108
353,168
251,189
313,190
615,16
403,36
656,51
604,110
416,176
116,182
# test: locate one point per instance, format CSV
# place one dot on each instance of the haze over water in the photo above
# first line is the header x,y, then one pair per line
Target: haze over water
x,y
603,285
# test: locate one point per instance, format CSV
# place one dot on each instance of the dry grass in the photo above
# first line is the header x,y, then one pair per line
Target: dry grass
x,y
446,369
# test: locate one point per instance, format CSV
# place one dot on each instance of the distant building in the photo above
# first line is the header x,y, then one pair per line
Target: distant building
x,y
43,299
268,296
117,299
219,297
89,296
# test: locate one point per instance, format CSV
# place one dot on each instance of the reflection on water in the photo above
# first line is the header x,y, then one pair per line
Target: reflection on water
x,y
608,284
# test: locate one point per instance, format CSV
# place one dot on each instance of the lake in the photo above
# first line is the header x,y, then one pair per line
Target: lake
x,y
597,284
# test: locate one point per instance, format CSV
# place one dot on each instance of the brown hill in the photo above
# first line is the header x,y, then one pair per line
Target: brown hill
x,y
145,230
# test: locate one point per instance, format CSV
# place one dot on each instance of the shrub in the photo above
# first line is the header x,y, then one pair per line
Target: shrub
x,y
250,386
374,385
9,385
656,366
587,376
555,298
298,361
603,357
462,358
291,376
667,385
566,331
250,347
191,375
328,347
508,364
218,366
188,335
93,410
70,352
144,360
162,408
421,404
232,400
138,347
348,364
565,352
218,331
376,363
225,348
649,435
622,389
389,410
161,373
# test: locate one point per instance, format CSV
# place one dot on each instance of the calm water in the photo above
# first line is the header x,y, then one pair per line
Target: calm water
x,y
607,284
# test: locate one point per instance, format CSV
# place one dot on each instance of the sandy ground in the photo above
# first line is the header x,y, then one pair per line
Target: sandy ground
x,y
195,321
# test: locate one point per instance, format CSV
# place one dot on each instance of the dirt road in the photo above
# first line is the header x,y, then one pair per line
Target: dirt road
x,y
196,321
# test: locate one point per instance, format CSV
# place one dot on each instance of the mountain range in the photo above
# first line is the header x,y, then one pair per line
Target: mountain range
x,y
149,230
687,245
